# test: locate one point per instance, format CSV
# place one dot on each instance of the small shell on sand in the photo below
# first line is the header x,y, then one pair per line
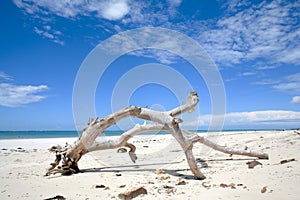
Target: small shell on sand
x,y
159,171
264,189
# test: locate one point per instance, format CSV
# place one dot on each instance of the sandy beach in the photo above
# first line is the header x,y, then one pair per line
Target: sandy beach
x,y
107,173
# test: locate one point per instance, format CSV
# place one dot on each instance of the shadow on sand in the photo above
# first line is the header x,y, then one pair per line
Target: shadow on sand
x,y
176,173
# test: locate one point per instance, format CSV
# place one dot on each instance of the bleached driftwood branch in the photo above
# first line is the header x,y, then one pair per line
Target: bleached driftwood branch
x,y
69,156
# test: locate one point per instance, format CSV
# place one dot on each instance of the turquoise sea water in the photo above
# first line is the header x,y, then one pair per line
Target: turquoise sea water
x,y
54,134
67,134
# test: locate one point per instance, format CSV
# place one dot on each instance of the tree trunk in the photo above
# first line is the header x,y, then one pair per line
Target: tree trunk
x,y
69,156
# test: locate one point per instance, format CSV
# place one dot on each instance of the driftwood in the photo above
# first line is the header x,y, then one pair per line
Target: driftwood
x,y
67,157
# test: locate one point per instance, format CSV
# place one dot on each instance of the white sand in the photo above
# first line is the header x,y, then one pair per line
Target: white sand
x,y
22,170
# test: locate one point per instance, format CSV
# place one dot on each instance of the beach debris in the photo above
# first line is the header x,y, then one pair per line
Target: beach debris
x,y
252,164
166,189
57,197
122,186
118,174
162,120
100,186
164,177
264,189
206,185
122,150
55,149
20,149
181,182
159,171
231,185
133,192
287,160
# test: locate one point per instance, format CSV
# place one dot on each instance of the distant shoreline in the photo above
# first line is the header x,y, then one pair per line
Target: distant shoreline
x,y
6,135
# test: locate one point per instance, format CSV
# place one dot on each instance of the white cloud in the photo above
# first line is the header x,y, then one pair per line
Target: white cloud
x,y
265,31
45,11
235,5
266,67
254,118
47,32
12,95
115,10
162,45
295,100
162,56
174,2
18,95
5,76
173,5
108,9
294,77
267,82
248,73
262,116
247,31
289,84
67,9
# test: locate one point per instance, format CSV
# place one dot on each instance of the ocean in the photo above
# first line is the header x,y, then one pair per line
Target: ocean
x,y
56,134
68,134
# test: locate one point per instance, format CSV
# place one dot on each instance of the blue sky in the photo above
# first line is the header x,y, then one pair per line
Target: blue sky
x,y
254,44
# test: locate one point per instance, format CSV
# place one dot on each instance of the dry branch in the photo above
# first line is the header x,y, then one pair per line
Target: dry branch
x,y
69,156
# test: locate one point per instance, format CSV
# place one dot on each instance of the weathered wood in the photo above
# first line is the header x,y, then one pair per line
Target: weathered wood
x,y
224,149
69,156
